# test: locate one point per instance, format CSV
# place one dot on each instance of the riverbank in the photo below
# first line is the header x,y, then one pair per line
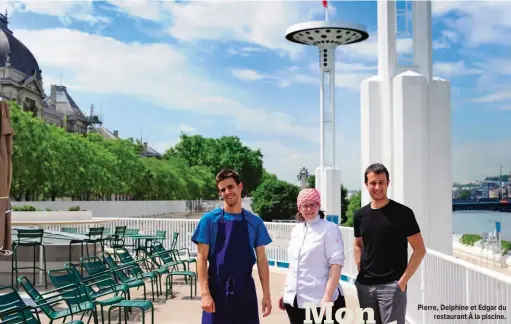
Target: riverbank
x,y
483,257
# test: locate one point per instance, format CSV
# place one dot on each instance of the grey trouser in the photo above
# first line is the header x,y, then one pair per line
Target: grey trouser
x,y
387,301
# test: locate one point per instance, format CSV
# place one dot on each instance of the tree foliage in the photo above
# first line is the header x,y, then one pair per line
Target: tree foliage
x,y
354,204
275,199
224,152
49,162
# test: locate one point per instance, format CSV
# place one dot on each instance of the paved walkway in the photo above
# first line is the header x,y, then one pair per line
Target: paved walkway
x,y
181,310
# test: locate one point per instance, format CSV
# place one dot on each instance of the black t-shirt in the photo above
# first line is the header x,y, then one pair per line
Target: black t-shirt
x,y
384,232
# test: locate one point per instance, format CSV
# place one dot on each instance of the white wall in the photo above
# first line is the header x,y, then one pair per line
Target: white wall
x,y
119,209
51,216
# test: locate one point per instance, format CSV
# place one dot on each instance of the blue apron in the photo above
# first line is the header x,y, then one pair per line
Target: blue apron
x,y
230,278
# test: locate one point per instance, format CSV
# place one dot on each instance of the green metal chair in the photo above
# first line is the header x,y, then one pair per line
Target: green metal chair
x,y
126,259
94,236
117,239
14,310
104,285
173,244
95,265
177,256
46,300
128,304
130,244
28,238
129,279
169,261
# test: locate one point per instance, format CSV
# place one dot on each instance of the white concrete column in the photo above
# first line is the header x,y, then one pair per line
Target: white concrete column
x,y
422,38
440,165
387,61
410,148
370,127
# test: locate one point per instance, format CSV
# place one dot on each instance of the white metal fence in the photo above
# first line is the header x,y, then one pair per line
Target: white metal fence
x,y
440,280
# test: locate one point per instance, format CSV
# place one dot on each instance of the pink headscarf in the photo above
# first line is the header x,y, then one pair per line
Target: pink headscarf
x,y
308,194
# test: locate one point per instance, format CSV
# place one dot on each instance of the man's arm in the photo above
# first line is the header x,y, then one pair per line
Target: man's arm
x,y
202,267
263,269
202,271
419,251
357,251
264,276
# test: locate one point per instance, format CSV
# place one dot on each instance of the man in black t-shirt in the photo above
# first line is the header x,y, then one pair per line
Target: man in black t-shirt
x,y
383,230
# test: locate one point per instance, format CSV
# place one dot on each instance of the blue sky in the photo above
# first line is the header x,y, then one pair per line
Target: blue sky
x,y
154,69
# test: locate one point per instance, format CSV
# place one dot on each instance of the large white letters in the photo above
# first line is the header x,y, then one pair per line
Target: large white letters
x,y
343,315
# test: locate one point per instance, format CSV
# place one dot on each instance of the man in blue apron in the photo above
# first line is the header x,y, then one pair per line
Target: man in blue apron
x,y
227,238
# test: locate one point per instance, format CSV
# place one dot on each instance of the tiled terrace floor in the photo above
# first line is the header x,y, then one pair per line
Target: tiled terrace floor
x,y
181,310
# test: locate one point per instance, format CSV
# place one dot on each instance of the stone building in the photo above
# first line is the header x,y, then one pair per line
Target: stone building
x,y
21,81
20,77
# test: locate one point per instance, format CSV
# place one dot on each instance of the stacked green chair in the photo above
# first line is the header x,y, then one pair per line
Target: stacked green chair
x,y
126,259
14,310
102,282
45,301
135,276
186,261
167,261
95,265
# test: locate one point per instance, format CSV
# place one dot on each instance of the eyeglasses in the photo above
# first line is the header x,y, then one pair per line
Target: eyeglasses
x,y
309,206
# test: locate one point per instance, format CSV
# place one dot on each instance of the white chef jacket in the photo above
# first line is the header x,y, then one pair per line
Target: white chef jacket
x,y
314,246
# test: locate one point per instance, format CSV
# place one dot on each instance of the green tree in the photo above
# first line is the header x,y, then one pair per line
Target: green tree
x,y
465,194
311,181
275,199
49,162
354,204
217,154
344,201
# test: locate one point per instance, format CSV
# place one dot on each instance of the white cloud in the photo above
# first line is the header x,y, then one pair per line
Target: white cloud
x,y
150,10
255,22
66,11
494,97
447,38
479,23
247,74
348,75
368,49
286,161
244,51
103,65
454,69
442,7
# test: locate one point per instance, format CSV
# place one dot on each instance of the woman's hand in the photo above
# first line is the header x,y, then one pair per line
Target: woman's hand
x,y
281,303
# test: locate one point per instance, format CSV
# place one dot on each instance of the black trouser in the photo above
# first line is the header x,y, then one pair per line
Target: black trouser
x,y
297,315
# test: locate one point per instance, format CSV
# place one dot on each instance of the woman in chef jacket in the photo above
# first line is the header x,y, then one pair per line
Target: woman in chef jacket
x,y
316,257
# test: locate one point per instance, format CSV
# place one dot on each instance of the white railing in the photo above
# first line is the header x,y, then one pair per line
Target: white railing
x,y
440,280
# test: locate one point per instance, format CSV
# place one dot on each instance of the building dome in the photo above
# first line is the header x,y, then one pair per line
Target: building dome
x,y
20,56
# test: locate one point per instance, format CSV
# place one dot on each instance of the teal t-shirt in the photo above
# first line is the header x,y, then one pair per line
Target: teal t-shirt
x,y
207,228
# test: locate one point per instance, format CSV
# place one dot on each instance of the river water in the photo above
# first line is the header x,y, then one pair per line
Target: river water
x,y
478,221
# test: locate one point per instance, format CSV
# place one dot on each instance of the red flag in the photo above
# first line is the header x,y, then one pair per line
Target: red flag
x,y
325,3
